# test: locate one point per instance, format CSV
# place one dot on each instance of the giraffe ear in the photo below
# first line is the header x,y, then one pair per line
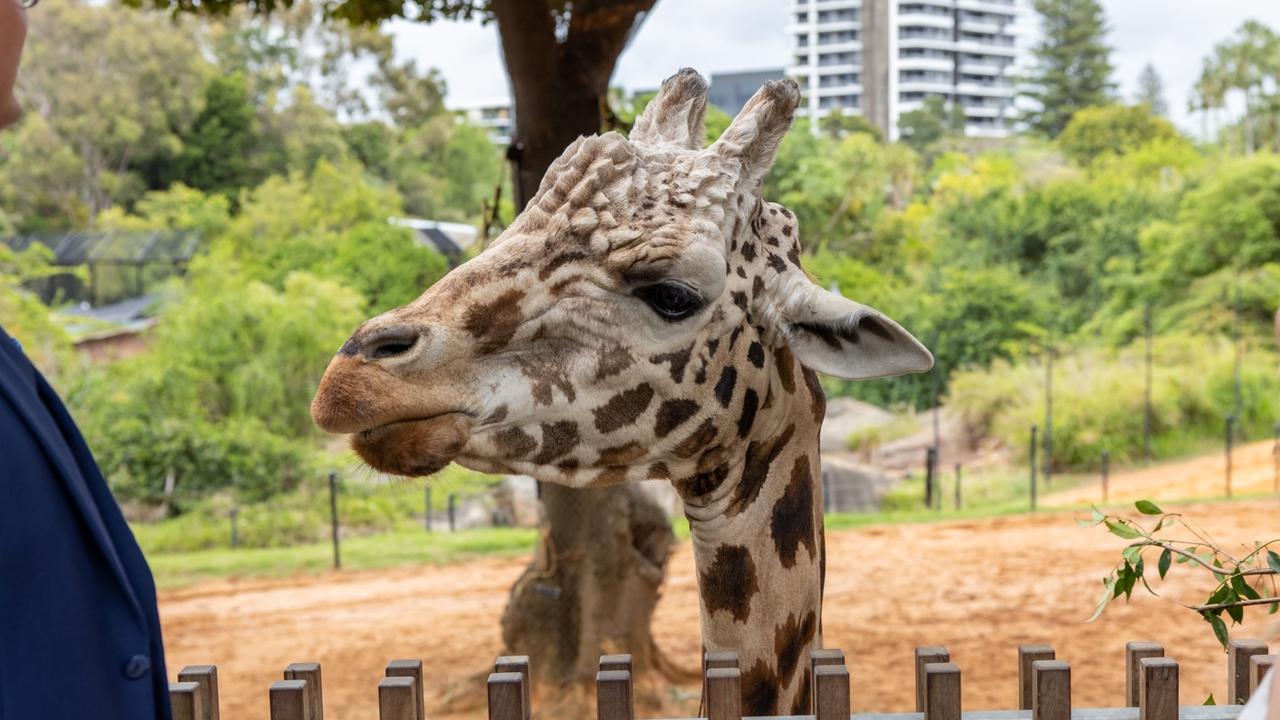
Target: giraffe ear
x,y
840,337
751,140
675,116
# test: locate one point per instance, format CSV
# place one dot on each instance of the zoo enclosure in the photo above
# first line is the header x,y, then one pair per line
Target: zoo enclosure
x,y
1044,688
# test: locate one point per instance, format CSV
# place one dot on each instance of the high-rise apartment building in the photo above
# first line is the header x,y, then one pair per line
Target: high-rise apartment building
x,y
882,58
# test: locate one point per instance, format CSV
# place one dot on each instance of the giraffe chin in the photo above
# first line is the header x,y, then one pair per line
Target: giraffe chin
x,y
413,448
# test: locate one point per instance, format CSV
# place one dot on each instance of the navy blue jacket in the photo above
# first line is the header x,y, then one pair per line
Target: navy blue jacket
x,y
79,630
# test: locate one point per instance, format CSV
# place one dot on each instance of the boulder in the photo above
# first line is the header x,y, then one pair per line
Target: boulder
x,y
846,416
851,486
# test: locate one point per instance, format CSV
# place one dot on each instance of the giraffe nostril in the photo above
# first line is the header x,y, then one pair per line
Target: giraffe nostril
x,y
390,342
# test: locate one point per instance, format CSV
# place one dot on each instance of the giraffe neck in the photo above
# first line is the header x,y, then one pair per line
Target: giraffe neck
x,y
758,546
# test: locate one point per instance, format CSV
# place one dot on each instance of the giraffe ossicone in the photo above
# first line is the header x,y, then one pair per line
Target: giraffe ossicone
x,y
646,316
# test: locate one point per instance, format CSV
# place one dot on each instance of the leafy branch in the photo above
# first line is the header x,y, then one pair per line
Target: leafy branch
x,y
1250,580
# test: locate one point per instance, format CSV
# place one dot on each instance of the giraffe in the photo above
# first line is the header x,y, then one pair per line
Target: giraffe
x,y
646,316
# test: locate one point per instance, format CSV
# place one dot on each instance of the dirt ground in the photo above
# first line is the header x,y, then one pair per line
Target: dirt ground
x,y
1253,471
979,587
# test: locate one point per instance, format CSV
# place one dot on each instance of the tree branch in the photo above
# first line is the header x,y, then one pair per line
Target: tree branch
x,y
1238,603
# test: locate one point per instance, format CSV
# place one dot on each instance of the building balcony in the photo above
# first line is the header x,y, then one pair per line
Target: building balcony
x,y
917,19
974,67
837,4
830,90
987,111
979,48
1008,7
835,25
926,63
835,47
987,28
996,91
926,86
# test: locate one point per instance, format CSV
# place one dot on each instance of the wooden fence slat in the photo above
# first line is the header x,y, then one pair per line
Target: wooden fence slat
x,y
506,696
817,659
315,690
941,691
614,700
1258,667
925,655
831,692
1238,654
1157,689
517,664
1028,654
396,698
206,676
716,660
1050,690
184,701
615,662
411,669
1134,652
724,692
289,700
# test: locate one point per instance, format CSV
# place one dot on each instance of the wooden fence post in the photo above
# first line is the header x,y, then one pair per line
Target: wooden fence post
x,y
206,676
1051,690
1238,654
924,656
315,690
1134,652
396,698
1258,667
615,662
723,693
1028,654
184,701
1158,688
614,700
714,661
411,669
506,696
941,691
831,692
817,659
518,664
289,700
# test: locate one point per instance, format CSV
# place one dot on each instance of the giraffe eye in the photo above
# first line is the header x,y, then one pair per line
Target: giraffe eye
x,y
672,301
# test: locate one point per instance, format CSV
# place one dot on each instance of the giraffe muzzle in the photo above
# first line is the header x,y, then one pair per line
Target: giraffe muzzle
x,y
413,448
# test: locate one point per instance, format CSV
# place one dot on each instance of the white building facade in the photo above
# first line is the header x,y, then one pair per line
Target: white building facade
x,y
882,58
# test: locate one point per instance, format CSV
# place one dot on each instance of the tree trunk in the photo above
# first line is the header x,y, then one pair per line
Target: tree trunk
x,y
593,585
595,579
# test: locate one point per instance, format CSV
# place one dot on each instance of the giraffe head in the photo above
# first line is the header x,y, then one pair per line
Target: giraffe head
x,y
623,327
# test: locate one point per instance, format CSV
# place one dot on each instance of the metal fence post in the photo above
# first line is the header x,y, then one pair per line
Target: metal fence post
x,y
930,460
235,534
452,518
333,518
427,504
1034,429
958,480
1227,427
1106,472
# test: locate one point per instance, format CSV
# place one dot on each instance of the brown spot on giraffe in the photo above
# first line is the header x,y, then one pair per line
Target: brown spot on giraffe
x,y
729,582
623,409
790,640
494,323
557,439
756,468
672,414
792,519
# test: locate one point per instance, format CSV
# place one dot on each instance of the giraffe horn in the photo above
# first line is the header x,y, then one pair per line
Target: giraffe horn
x,y
675,116
751,140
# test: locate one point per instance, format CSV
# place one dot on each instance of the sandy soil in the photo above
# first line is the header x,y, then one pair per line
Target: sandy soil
x,y
979,587
1253,471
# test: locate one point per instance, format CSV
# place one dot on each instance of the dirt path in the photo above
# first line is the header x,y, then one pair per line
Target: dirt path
x,y
1253,472
979,587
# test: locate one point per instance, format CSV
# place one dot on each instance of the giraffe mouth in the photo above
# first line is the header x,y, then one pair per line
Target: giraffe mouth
x,y
416,447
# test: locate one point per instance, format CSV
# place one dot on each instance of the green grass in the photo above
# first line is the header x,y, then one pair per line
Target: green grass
x,y
390,549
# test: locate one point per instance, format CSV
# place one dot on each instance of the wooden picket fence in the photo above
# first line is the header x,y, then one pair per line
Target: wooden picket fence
x,y
1044,688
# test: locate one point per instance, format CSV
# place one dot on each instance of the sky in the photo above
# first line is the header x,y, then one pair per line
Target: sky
x,y
724,35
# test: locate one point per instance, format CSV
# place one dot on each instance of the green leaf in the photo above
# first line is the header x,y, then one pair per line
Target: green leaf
x,y
1237,614
1132,553
1210,701
1117,527
1219,630
1221,595
1097,515
1273,560
1146,507
1242,587
1102,601
1138,571
1165,558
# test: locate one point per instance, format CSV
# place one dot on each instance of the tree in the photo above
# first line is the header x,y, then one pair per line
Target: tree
x,y
1073,64
1151,91
839,124
127,104
1113,129
1250,64
923,127
219,149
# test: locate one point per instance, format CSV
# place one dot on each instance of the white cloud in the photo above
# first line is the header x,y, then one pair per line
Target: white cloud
x,y
718,35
